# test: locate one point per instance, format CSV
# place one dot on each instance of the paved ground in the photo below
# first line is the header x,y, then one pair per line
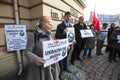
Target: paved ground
x,y
97,68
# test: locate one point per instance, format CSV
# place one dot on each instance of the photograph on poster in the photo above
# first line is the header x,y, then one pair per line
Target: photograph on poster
x,y
86,33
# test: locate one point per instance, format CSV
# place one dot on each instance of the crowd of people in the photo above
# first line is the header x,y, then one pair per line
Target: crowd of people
x,y
34,50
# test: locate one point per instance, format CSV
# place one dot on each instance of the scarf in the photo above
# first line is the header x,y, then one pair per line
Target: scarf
x,y
40,33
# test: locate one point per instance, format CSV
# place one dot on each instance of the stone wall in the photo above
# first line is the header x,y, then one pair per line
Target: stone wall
x,y
29,13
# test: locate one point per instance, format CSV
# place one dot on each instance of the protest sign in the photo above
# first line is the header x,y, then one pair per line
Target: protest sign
x,y
15,37
54,51
70,35
118,38
86,33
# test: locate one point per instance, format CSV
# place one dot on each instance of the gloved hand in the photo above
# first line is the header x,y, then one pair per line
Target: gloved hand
x,y
39,61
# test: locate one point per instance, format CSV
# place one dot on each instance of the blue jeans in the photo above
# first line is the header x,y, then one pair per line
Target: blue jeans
x,y
89,53
99,46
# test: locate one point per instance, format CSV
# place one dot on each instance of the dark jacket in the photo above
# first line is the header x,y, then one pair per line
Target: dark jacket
x,y
113,40
90,42
110,30
80,42
60,31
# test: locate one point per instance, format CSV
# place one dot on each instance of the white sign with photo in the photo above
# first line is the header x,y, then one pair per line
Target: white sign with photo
x,y
70,35
15,37
54,51
118,38
86,33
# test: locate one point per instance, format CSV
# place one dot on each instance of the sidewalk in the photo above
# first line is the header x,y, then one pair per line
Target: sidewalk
x,y
97,68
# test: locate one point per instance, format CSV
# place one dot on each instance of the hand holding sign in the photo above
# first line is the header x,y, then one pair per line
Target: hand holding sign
x,y
39,61
65,31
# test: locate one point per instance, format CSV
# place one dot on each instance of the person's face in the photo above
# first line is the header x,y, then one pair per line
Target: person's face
x,y
105,27
81,20
113,26
67,17
47,25
92,27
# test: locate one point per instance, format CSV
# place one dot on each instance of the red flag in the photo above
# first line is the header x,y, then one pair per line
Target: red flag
x,y
96,22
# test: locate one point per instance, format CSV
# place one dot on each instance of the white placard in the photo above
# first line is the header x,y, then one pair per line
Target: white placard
x,y
118,38
70,35
86,33
15,37
54,51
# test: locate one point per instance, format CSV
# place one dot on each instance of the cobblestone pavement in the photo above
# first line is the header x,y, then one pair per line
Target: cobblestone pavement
x,y
99,68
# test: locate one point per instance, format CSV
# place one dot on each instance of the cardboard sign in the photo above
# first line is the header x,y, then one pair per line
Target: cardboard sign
x,y
15,37
86,33
54,51
70,35
118,38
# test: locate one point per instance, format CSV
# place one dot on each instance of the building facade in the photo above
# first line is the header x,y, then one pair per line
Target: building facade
x,y
27,12
105,18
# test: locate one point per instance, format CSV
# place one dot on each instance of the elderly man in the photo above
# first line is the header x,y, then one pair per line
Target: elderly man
x,y
80,42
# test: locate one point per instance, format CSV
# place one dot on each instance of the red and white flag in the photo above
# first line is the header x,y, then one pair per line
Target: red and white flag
x,y
96,22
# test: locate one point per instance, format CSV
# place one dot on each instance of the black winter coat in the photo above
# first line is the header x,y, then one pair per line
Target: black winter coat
x,y
60,31
110,30
113,40
80,42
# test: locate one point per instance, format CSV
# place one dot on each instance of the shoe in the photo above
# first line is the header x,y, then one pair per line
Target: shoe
x,y
84,57
72,63
66,70
107,50
101,54
118,55
110,61
79,59
115,60
60,76
98,54
90,57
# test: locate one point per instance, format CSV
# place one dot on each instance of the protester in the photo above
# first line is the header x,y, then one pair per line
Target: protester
x,y
90,43
115,44
61,34
34,52
110,30
80,42
101,38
